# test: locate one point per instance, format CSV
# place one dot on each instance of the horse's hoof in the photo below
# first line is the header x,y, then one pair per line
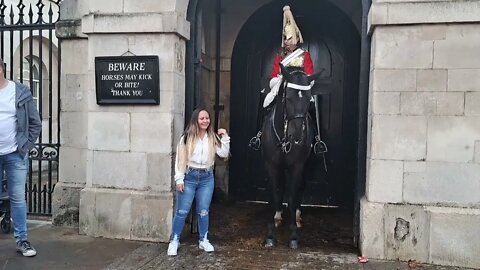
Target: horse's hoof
x,y
293,244
269,243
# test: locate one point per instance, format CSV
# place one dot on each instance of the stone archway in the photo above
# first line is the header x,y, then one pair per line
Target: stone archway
x,y
356,11
350,8
85,139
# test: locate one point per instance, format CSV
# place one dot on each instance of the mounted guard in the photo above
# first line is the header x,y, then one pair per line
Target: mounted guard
x,y
288,131
293,57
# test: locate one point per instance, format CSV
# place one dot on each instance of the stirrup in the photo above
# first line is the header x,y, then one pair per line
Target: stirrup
x,y
255,142
319,147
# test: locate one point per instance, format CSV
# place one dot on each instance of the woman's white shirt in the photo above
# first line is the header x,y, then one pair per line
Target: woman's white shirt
x,y
199,158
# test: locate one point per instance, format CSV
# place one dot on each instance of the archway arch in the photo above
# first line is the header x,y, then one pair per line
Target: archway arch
x,y
35,63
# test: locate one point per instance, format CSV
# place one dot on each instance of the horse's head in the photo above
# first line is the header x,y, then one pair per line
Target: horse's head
x,y
297,93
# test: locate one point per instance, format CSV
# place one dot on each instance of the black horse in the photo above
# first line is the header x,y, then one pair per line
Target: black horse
x,y
288,136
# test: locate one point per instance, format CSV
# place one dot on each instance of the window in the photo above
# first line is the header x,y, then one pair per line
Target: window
x,y
35,83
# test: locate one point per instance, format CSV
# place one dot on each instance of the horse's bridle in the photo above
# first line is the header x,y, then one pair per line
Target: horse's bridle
x,y
284,142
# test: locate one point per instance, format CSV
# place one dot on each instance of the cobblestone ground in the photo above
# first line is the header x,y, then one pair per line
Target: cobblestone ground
x,y
151,256
237,233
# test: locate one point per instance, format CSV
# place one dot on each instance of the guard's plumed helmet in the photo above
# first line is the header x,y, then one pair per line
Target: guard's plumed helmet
x,y
290,28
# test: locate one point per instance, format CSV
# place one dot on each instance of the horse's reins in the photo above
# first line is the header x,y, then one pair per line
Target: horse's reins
x,y
284,142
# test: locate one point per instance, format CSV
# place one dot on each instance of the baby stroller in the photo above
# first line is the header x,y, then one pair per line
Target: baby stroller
x,y
6,223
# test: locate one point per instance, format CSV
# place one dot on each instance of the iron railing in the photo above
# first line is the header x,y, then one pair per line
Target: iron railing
x,y
31,53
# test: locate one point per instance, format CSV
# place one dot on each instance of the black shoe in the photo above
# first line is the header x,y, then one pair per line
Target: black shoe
x,y
26,249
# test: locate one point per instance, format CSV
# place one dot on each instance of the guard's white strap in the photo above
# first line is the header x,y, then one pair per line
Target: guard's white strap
x,y
292,56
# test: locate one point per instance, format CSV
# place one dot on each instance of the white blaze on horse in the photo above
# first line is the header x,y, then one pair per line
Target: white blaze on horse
x,y
287,139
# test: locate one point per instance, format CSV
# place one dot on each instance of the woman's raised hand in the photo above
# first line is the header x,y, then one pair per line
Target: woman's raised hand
x,y
221,131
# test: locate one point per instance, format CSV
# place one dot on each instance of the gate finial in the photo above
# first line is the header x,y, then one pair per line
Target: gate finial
x,y
40,6
2,12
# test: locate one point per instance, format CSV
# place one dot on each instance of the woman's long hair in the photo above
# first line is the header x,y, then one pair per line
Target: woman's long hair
x,y
191,135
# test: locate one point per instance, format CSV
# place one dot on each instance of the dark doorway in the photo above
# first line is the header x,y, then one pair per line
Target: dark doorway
x,y
334,44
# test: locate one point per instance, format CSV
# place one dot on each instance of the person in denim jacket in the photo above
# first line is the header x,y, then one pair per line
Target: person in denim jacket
x,y
20,127
194,175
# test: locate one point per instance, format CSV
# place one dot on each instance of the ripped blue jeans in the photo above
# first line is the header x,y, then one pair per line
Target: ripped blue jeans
x,y
198,185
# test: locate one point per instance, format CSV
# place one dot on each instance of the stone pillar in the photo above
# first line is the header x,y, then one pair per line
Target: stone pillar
x,y
121,156
424,131
74,152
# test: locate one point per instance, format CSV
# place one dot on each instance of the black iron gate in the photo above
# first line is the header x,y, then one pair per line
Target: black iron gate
x,y
31,53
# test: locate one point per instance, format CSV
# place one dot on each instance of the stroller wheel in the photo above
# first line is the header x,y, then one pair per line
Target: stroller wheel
x,y
6,225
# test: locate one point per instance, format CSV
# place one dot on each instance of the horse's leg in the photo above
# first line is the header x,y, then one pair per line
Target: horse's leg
x,y
278,217
298,217
270,238
273,176
298,212
279,200
294,201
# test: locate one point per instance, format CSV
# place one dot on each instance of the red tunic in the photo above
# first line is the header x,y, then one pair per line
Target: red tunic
x,y
307,65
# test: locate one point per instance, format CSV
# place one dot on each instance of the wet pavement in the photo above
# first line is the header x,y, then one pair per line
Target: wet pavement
x,y
237,235
62,248
190,257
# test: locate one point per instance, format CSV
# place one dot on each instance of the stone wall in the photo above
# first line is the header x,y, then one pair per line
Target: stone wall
x,y
423,163
116,161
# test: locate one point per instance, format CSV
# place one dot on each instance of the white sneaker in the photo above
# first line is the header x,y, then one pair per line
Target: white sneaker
x,y
26,249
205,245
172,248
